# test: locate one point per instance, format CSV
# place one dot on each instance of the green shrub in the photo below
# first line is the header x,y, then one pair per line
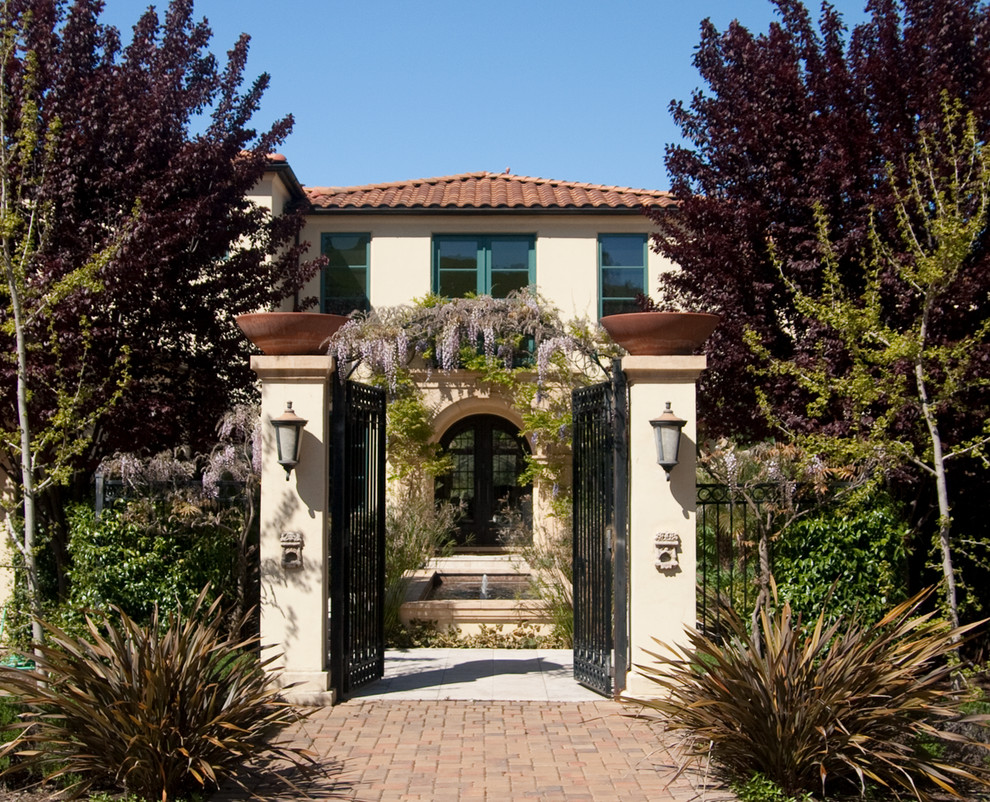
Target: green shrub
x,y
416,530
149,553
549,555
824,708
427,635
759,789
158,711
10,712
856,555
550,558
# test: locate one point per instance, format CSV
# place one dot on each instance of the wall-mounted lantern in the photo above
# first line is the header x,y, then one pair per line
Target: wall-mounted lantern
x,y
288,438
667,430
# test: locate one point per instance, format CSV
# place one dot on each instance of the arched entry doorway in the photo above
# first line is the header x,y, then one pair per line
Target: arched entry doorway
x,y
488,456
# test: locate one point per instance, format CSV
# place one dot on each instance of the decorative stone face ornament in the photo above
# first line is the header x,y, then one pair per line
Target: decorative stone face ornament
x,y
292,543
667,545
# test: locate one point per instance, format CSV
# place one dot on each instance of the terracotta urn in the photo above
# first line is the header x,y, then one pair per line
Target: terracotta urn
x,y
280,333
660,333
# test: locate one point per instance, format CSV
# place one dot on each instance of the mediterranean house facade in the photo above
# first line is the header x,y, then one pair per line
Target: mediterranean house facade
x,y
583,247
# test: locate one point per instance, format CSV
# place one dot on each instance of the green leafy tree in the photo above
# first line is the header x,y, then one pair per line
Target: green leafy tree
x,y
898,387
32,307
123,234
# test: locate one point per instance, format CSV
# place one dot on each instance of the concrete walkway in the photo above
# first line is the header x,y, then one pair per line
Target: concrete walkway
x,y
508,675
486,725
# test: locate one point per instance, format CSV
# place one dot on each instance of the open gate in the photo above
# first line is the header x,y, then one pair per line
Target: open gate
x,y
357,536
601,491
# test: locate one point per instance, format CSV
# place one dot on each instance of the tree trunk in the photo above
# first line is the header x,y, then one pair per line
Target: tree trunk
x,y
941,488
243,556
763,596
27,463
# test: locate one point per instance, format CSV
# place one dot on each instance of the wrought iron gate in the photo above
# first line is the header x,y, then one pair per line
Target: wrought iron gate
x,y
601,491
357,535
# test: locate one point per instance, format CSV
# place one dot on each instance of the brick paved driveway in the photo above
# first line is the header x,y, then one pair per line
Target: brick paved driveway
x,y
493,750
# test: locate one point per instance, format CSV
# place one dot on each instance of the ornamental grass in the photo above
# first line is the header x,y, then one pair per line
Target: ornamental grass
x,y
824,710
159,711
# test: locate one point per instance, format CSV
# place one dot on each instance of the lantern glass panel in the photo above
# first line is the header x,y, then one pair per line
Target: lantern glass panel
x,y
668,441
287,441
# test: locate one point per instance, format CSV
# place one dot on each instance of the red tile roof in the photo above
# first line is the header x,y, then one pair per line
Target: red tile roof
x,y
485,191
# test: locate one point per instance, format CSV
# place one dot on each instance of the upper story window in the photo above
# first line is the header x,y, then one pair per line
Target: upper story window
x,y
621,272
344,283
492,264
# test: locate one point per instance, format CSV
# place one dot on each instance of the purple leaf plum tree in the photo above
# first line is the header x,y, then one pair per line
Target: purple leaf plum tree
x,y
128,241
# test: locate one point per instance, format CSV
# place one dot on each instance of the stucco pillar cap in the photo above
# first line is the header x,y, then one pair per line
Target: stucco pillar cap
x,y
312,368
663,369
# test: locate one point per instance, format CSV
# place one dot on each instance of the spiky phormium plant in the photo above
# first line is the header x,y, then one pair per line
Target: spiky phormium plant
x,y
822,708
158,711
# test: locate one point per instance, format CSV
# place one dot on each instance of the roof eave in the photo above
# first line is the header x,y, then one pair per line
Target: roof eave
x,y
487,211
288,178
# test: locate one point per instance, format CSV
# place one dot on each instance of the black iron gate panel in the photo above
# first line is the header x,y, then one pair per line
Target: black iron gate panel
x,y
727,534
600,472
357,536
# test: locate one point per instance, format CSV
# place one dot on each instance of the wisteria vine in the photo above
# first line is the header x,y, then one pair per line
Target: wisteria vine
x,y
441,332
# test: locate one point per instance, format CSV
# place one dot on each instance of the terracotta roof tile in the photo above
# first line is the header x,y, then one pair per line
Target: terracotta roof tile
x,y
484,191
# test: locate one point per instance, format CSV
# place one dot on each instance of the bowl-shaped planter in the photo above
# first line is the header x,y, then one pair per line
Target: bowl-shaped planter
x,y
280,333
660,333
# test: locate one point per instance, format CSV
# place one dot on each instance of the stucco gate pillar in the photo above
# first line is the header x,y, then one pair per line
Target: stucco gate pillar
x,y
295,521
661,599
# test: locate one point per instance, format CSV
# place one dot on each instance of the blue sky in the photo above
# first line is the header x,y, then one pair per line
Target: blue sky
x,y
388,90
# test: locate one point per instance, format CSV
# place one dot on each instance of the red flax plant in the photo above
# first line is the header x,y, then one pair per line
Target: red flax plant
x,y
823,709
160,711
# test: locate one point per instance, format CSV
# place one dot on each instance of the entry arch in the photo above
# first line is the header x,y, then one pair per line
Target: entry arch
x,y
489,455
451,413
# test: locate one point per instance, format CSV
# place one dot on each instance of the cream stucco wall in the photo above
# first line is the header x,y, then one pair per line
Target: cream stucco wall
x,y
294,605
270,192
662,600
662,603
401,252
566,251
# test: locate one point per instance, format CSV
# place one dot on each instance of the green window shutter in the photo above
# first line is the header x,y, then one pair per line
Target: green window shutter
x,y
344,282
493,264
622,272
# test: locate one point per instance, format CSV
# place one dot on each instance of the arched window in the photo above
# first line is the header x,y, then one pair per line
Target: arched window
x,y
488,456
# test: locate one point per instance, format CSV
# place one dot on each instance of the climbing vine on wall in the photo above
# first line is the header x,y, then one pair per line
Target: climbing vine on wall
x,y
519,345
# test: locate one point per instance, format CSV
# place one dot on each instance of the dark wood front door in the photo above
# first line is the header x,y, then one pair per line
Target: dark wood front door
x,y
488,456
